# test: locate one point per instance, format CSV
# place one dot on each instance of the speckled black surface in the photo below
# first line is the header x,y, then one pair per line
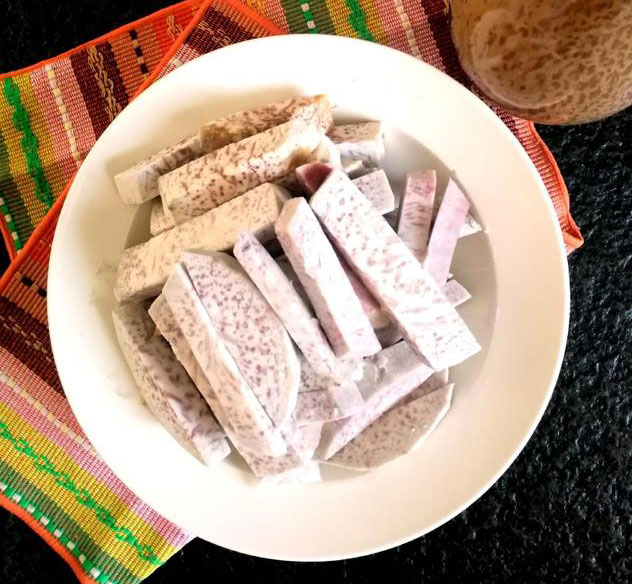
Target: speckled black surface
x,y
563,511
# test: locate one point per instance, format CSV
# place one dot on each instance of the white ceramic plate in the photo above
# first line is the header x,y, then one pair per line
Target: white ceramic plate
x,y
517,274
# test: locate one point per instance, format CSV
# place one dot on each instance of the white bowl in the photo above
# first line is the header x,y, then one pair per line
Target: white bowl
x,y
516,272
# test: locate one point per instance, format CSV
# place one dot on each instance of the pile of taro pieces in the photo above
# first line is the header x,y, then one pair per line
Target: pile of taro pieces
x,y
284,304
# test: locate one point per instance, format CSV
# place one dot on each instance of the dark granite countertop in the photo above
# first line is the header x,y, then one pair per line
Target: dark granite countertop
x,y
563,511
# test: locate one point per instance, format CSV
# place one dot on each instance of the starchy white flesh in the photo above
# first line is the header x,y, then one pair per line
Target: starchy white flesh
x,y
436,381
375,187
295,315
165,386
247,419
319,271
323,406
363,141
144,268
395,433
249,329
470,226
392,274
388,377
235,127
288,270
456,293
445,233
170,329
158,220
224,174
303,437
140,182
373,310
415,213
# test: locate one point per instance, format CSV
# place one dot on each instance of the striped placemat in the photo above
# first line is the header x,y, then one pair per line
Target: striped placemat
x,y
50,116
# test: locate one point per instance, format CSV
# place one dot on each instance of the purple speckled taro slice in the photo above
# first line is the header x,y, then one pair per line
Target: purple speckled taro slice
x,y
158,220
392,274
445,233
165,386
375,187
250,330
456,293
395,433
387,378
247,418
363,141
415,211
140,182
317,267
144,268
301,441
235,127
224,174
288,305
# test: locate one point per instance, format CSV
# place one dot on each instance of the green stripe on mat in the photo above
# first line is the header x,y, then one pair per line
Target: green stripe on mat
x,y
29,143
49,509
357,20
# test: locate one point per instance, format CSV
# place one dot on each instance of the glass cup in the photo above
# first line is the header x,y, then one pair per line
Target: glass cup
x,y
551,61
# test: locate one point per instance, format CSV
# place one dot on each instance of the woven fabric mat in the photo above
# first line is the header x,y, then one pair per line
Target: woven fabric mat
x,y
50,116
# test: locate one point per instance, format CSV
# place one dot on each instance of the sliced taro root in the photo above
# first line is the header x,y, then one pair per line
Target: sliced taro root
x,y
312,175
319,271
287,303
375,187
445,233
249,329
224,174
288,270
390,271
395,433
303,438
240,410
325,153
388,377
165,386
315,110
363,141
415,212
140,182
436,381
377,317
144,268
301,441
325,405
456,293
168,326
158,220
321,399
470,227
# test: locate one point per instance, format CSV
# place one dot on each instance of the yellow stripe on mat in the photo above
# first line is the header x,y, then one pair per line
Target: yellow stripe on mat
x,y
87,518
